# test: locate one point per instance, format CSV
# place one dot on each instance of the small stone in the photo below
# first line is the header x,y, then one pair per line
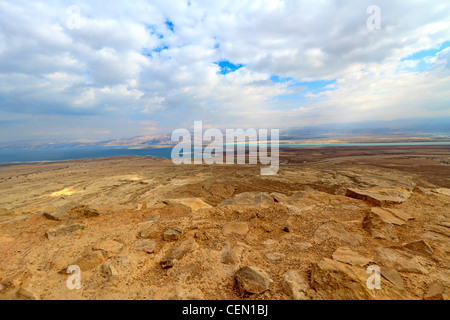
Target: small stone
x,y
149,233
303,245
267,227
172,234
252,280
51,217
147,246
275,256
240,228
287,229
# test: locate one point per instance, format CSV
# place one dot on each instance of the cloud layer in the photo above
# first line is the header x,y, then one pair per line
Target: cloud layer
x,y
142,67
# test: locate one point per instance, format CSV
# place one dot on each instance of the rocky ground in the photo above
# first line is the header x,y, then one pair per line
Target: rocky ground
x,y
142,228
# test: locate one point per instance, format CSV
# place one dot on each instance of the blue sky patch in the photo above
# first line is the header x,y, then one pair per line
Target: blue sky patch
x,y
314,87
169,25
159,49
427,53
227,67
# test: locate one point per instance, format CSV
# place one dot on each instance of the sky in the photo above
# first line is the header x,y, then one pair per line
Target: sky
x,y
115,69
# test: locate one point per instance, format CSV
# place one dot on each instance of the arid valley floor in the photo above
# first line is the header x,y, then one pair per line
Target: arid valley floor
x,y
143,228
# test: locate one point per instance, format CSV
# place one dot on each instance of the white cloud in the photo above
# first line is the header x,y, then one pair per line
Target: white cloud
x,y
126,64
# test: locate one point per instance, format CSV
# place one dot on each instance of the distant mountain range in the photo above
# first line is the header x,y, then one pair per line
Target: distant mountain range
x,y
374,131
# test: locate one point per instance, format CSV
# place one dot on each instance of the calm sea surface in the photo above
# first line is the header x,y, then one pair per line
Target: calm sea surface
x,y
59,154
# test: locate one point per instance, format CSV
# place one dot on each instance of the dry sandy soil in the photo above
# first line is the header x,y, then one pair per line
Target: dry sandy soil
x,y
142,228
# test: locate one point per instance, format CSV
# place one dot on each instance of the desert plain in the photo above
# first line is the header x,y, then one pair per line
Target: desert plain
x,y
143,228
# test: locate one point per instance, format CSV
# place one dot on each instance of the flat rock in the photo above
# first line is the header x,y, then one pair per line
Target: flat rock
x,y
400,214
240,228
374,198
295,285
252,280
346,255
387,216
401,261
249,199
192,203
